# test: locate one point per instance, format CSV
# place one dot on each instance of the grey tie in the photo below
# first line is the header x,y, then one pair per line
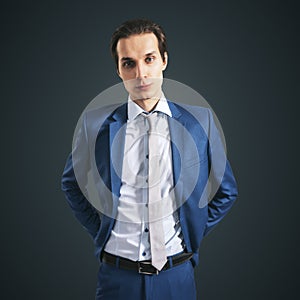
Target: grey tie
x,y
156,230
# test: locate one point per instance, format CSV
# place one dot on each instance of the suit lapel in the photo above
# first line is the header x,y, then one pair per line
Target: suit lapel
x,y
176,127
117,131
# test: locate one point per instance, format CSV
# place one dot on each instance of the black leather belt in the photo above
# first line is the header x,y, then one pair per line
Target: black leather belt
x,y
144,267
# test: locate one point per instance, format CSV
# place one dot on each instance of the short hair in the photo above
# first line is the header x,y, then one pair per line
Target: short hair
x,y
138,26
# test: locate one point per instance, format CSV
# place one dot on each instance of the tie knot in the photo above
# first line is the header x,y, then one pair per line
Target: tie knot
x,y
152,120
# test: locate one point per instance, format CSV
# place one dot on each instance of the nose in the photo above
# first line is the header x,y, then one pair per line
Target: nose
x,y
141,71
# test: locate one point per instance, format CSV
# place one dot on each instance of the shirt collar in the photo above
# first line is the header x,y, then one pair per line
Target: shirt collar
x,y
134,110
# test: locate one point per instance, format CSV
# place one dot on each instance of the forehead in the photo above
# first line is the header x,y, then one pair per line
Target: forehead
x,y
137,45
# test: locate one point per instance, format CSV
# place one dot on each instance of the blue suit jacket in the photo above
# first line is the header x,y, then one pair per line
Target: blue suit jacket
x,y
196,220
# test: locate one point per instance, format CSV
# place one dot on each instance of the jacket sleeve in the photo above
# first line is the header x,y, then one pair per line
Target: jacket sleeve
x,y
78,160
222,201
84,212
222,175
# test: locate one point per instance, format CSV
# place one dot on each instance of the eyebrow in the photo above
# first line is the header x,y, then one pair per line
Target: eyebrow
x,y
151,53
146,55
126,58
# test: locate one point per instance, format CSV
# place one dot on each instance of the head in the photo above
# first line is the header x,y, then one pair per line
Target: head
x,y
139,50
136,27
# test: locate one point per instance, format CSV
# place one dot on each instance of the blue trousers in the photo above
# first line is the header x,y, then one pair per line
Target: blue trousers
x,y
176,283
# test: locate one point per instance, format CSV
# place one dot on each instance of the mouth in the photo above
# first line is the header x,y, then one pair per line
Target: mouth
x,y
143,87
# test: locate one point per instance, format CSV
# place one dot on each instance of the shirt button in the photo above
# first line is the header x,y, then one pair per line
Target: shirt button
x,y
144,253
147,180
146,229
146,205
147,156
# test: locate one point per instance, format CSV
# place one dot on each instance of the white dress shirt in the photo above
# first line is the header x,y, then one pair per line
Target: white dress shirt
x,y
130,235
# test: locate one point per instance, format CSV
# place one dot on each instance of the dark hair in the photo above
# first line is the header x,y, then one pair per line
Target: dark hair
x,y
138,26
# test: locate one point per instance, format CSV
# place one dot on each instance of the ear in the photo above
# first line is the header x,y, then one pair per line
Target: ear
x,y
165,63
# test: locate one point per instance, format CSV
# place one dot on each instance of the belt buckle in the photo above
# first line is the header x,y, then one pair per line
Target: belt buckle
x,y
141,271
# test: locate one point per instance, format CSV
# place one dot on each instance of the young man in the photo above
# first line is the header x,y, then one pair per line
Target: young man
x,y
148,240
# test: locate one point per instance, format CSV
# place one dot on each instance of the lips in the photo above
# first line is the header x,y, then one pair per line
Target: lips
x,y
143,87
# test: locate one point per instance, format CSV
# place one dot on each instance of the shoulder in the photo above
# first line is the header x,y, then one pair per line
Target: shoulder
x,y
190,113
94,118
105,112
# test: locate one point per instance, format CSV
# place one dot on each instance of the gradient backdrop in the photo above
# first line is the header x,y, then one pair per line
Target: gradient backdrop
x,y
241,56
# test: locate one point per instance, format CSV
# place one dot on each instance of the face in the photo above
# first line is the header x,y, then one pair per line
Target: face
x,y
141,66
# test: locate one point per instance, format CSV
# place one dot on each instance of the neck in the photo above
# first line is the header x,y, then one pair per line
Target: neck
x,y
147,104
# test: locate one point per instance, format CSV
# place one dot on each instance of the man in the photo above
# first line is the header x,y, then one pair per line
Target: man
x,y
147,230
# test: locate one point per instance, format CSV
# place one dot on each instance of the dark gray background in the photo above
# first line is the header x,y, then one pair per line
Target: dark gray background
x,y
241,56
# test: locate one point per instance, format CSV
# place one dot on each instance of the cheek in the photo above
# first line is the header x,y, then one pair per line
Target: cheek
x,y
125,75
158,72
160,68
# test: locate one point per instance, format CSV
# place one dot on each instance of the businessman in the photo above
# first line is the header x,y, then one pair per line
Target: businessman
x,y
160,173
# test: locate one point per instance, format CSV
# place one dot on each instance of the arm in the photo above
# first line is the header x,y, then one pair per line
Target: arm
x,y
222,174
74,180
222,201
85,213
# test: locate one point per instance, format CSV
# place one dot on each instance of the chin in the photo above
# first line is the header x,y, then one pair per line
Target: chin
x,y
143,96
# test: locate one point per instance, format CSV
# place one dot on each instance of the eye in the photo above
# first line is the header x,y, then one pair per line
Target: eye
x,y
128,64
149,59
